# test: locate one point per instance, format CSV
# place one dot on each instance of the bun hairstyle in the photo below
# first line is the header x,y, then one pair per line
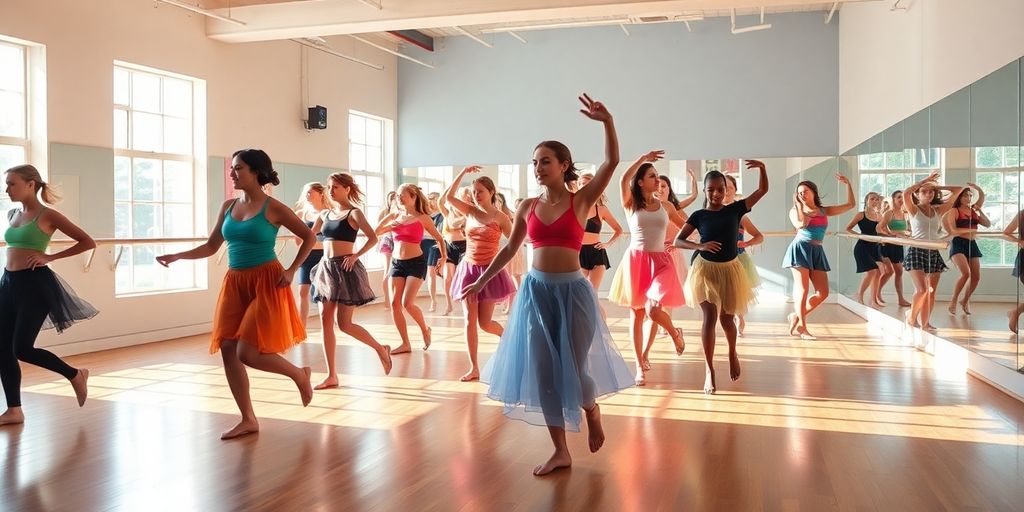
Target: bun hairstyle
x,y
30,173
421,200
709,177
564,156
259,162
355,195
814,188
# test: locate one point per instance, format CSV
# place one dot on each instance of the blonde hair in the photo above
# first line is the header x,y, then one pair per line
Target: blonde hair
x,y
355,194
30,173
313,185
421,200
601,201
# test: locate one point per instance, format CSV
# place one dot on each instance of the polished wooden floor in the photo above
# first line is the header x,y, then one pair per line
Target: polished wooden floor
x,y
842,423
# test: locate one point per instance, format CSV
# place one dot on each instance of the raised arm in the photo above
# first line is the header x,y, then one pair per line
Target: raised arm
x,y
690,199
450,196
908,193
624,183
947,204
851,200
762,183
206,249
83,242
797,215
592,192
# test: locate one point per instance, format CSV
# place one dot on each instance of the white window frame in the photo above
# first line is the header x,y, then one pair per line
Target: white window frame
x,y
24,142
890,167
508,183
1009,206
374,199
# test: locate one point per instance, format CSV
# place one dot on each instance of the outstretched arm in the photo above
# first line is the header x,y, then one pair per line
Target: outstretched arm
x,y
693,191
206,249
624,193
592,192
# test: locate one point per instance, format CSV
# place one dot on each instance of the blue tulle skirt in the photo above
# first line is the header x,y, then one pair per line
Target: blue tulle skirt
x,y
556,356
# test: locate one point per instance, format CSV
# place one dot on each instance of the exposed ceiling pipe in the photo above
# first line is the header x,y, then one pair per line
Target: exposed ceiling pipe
x,y
319,44
565,24
372,3
473,36
624,29
200,10
831,12
688,29
392,52
752,28
517,36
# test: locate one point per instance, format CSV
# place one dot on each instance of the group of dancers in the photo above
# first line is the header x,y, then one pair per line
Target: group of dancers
x,y
556,356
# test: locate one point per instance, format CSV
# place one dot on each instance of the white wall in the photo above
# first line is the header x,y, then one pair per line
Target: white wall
x,y
254,100
895,63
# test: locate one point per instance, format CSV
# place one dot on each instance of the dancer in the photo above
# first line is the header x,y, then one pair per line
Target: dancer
x,y
517,266
926,208
894,223
310,206
805,254
593,254
485,224
646,279
717,280
429,247
340,279
1014,232
962,221
32,296
255,318
556,355
746,227
387,245
409,267
455,242
868,255
666,193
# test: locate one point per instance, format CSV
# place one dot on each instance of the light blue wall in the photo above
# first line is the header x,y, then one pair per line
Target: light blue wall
x,y
700,94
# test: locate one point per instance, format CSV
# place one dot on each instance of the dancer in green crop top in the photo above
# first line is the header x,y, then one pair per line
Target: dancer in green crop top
x,y
894,223
32,297
256,318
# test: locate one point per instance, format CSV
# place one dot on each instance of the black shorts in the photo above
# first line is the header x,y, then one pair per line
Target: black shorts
x,y
964,246
429,247
866,255
591,257
894,252
455,252
412,267
306,268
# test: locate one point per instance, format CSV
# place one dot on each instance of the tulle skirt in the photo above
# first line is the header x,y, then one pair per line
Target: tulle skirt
x,y
556,356
499,287
253,309
750,269
43,288
335,284
646,276
723,284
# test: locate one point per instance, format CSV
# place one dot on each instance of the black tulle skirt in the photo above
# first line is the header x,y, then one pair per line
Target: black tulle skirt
x,y
42,288
335,284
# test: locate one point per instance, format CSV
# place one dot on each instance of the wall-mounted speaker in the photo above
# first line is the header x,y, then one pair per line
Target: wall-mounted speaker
x,y
317,118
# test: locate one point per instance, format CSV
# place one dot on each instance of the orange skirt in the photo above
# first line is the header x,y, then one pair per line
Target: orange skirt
x,y
251,308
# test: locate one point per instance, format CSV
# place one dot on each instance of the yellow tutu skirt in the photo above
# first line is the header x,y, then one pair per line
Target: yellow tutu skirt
x,y
723,284
750,268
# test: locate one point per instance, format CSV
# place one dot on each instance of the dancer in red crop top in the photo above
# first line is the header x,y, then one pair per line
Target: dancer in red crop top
x,y
556,355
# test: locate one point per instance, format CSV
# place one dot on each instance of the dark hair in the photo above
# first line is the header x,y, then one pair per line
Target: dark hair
x,y
260,163
564,156
671,193
814,188
896,193
355,195
960,197
936,198
711,176
732,179
635,193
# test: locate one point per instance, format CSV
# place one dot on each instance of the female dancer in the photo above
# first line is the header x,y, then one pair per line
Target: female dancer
x,y
455,242
387,244
255,319
805,255
517,266
894,223
429,247
926,208
746,226
646,279
868,255
717,280
485,224
1014,232
340,279
963,221
665,193
309,208
556,355
593,254
409,267
33,297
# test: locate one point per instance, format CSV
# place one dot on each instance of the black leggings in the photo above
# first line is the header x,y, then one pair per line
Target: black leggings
x,y
23,309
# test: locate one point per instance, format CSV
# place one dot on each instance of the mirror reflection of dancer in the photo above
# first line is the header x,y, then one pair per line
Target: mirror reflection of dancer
x,y
746,227
894,223
646,279
33,297
256,319
666,193
556,356
594,254
868,255
454,231
718,281
1015,233
340,280
429,247
312,203
387,245
926,207
962,221
517,266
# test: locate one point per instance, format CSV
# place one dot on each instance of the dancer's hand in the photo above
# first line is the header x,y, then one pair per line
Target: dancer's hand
x,y
348,262
797,202
711,246
472,169
470,289
754,164
599,245
39,260
842,179
439,266
654,156
934,176
742,244
594,109
167,259
286,278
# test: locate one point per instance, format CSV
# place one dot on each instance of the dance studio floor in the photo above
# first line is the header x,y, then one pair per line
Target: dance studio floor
x,y
842,423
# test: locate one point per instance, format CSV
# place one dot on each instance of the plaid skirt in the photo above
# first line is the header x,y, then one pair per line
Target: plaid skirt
x,y
927,260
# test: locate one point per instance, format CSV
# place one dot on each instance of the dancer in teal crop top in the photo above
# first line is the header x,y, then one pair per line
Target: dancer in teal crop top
x,y
250,241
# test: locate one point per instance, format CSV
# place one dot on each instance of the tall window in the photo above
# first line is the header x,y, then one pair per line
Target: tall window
x,y
508,184
14,134
997,173
154,176
432,179
368,157
886,173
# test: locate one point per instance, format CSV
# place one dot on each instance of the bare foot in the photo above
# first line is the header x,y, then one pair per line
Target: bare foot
x,y
432,308
385,359
328,383
910,322
426,339
448,309
742,326
594,429
471,375
904,303
678,341
879,300
305,389
557,461
794,321
709,382
641,377
81,385
875,305
242,429
13,416
404,348
930,327
646,363
952,308
1013,319
966,307
804,335
734,366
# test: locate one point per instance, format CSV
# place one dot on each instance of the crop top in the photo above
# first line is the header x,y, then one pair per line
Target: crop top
x,y
647,229
867,226
250,241
594,223
815,229
967,222
721,226
482,243
338,230
565,231
27,236
410,232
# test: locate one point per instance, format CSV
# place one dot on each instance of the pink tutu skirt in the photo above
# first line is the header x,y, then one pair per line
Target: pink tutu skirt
x,y
498,288
646,276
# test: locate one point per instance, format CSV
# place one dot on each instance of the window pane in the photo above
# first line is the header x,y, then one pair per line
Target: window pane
x,y
991,183
177,136
122,220
122,81
145,92
120,129
373,132
1010,186
373,159
123,276
177,98
12,114
12,68
894,160
994,212
374,186
146,221
989,157
1012,156
356,129
991,250
147,132
122,178
177,182
178,221
146,180
357,157
146,272
11,156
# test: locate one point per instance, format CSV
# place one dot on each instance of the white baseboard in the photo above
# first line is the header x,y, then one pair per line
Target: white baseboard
x,y
128,340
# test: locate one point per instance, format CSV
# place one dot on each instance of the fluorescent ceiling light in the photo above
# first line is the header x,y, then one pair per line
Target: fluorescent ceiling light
x,y
392,52
200,10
